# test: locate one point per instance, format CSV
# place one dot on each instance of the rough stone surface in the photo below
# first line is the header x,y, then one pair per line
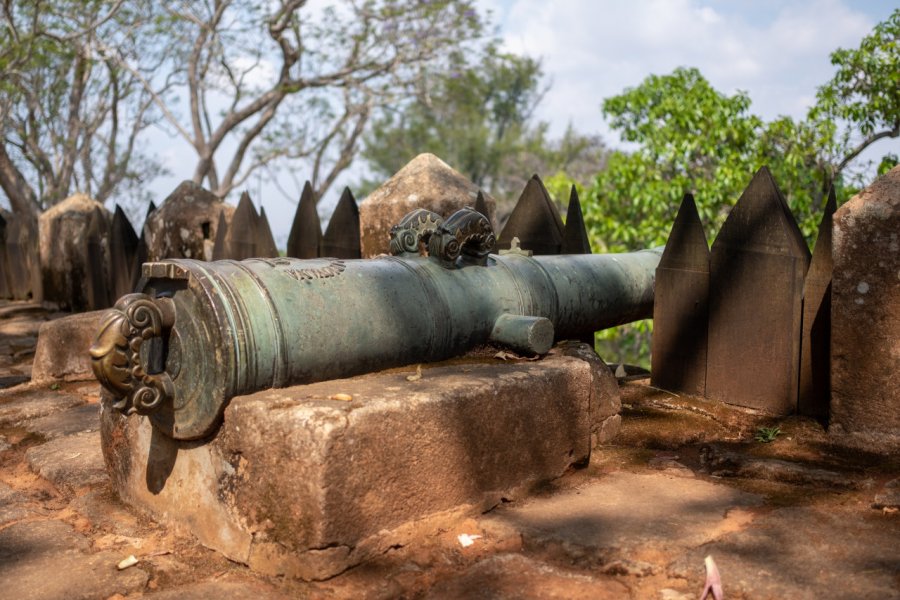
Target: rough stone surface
x,y
889,496
185,225
79,419
220,590
803,553
19,405
70,462
47,560
515,577
626,512
425,182
62,348
865,339
62,231
462,436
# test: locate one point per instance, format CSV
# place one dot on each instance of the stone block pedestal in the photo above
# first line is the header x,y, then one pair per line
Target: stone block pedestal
x,y
310,480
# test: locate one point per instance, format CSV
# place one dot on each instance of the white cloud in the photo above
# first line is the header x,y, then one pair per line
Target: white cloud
x,y
593,49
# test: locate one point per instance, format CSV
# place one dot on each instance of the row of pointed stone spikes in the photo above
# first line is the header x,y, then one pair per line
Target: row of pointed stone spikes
x,y
539,227
247,234
748,321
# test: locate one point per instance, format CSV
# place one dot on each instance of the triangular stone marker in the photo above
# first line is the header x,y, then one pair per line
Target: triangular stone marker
x,y
123,243
757,266
265,241
341,239
575,235
815,345
535,221
680,306
242,232
305,238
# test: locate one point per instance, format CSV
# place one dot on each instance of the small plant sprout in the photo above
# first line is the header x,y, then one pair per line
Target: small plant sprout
x,y
767,434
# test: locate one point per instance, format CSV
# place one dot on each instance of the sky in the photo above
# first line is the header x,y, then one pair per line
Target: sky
x,y
775,50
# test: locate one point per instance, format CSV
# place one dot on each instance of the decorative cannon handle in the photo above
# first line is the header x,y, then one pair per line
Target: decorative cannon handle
x,y
415,228
116,353
465,235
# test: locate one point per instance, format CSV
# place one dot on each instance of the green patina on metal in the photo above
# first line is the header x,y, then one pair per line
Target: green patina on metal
x,y
200,333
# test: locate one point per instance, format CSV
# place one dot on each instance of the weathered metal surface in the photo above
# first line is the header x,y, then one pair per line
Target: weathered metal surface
x,y
465,238
535,221
815,361
341,239
757,266
575,236
5,288
260,323
680,308
123,244
410,236
265,241
305,238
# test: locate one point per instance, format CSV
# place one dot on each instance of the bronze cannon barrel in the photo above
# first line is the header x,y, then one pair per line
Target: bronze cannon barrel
x,y
200,333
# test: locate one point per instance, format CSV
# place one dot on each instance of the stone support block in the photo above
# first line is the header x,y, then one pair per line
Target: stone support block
x,y
62,348
310,480
865,317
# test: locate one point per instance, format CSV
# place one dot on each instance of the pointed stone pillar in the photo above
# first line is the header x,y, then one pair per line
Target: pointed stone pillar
x,y
265,241
535,221
815,345
575,235
341,239
680,307
758,263
305,238
123,245
240,240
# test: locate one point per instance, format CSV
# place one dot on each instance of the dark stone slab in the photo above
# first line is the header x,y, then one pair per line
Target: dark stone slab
x,y
79,419
69,463
680,307
305,237
19,405
123,244
341,239
575,235
535,221
240,241
47,560
815,345
5,287
757,266
265,241
98,281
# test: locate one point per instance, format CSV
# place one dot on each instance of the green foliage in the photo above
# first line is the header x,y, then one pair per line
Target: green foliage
x,y
471,115
475,113
690,137
764,435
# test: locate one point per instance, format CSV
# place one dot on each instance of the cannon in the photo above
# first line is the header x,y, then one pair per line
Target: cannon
x,y
199,333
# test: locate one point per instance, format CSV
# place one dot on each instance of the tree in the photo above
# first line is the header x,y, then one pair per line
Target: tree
x,y
477,115
692,138
69,116
269,84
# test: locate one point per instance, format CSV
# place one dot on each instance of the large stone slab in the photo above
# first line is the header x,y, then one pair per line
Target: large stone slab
x,y
425,182
65,260
47,560
303,482
62,348
865,314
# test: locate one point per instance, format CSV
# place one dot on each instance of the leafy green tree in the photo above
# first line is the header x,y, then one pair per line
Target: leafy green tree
x,y
690,137
477,115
